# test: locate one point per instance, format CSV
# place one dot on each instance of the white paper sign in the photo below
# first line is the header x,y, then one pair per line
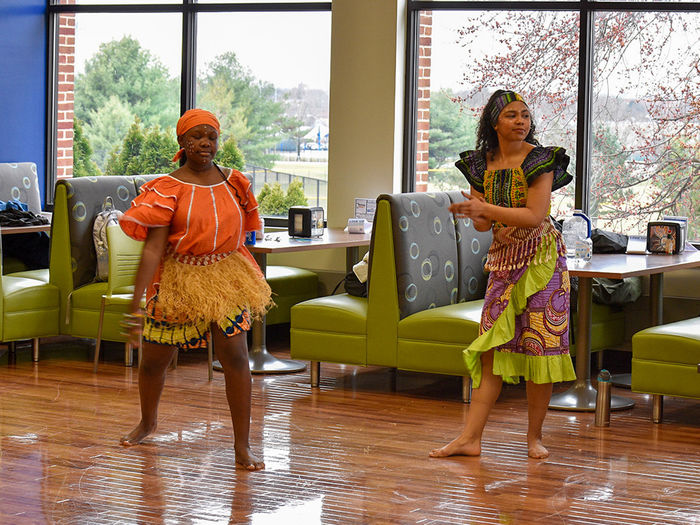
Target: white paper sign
x,y
365,208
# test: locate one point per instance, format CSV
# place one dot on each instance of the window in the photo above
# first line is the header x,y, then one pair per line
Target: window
x,y
460,69
642,111
646,120
118,86
267,80
265,72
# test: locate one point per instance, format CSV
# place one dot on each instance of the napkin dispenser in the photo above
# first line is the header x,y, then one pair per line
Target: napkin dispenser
x,y
305,221
665,237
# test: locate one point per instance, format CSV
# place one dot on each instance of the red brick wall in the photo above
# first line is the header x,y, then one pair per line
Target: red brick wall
x,y
423,101
66,80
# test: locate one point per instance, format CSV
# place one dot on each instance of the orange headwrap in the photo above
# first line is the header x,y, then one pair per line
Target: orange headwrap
x,y
192,118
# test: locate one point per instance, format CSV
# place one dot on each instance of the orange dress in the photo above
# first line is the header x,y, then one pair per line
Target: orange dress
x,y
207,274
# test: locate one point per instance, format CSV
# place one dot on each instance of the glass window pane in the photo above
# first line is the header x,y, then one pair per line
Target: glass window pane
x,y
259,1
513,1
465,56
113,2
646,144
658,1
268,81
118,93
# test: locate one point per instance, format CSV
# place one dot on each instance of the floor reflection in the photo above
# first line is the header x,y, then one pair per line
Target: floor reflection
x,y
353,451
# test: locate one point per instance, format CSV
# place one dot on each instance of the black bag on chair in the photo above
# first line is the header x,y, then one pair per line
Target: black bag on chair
x,y
352,285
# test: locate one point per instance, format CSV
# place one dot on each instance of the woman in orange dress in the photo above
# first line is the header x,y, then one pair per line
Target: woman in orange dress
x,y
197,274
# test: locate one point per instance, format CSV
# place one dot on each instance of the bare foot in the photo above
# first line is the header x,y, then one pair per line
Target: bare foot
x,y
536,450
247,460
458,447
136,436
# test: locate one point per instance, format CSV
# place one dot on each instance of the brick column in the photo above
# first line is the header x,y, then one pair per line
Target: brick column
x,y
423,100
66,83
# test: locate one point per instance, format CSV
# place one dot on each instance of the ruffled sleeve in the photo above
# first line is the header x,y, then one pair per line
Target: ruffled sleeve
x,y
543,159
472,164
153,207
246,198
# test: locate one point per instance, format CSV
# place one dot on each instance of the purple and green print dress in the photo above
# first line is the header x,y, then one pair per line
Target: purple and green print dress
x,y
526,308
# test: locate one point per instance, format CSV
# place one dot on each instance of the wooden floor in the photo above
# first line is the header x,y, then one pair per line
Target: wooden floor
x,y
353,451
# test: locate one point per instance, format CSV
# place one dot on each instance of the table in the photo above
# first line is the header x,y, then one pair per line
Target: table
x,y
581,396
261,361
9,230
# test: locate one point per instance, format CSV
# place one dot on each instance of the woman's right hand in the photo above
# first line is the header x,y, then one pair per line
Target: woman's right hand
x,y
133,327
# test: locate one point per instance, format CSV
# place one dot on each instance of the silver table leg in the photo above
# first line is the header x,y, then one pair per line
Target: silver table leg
x,y
581,395
261,361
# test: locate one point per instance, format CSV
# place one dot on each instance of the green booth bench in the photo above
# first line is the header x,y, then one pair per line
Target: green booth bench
x,y
290,285
73,262
665,360
29,303
425,295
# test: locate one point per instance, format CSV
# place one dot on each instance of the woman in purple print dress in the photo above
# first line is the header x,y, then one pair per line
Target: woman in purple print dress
x,y
524,327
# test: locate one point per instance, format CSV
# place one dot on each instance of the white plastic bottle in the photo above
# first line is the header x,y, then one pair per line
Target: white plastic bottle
x,y
576,231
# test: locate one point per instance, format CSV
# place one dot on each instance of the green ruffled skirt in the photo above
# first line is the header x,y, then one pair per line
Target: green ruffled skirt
x,y
526,321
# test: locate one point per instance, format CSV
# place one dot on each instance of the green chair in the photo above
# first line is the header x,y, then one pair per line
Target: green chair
x,y
607,329
665,362
29,310
124,257
73,261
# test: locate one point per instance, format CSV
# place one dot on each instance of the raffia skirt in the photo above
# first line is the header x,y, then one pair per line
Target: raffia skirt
x,y
195,292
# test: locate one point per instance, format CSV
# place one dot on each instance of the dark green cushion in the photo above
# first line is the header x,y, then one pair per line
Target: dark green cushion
x,y
677,342
12,265
88,296
341,313
454,323
288,280
289,286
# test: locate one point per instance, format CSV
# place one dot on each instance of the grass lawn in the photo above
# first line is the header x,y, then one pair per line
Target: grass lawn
x,y
315,170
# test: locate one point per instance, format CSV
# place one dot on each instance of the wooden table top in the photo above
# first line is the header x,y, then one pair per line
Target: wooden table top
x,y
621,265
9,230
280,242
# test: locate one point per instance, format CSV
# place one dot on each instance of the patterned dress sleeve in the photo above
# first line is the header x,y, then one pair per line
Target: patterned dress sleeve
x,y
543,159
153,207
246,198
472,164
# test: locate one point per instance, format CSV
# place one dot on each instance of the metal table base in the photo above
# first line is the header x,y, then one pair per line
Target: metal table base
x,y
581,396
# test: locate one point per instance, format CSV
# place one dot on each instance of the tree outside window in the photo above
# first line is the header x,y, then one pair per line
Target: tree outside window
x,y
646,107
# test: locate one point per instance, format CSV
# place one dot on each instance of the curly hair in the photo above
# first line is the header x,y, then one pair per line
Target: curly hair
x,y
486,136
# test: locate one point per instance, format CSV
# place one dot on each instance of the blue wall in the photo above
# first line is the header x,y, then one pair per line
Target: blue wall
x,y
23,83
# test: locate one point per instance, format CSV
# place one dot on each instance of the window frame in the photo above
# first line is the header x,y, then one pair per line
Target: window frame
x,y
188,80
